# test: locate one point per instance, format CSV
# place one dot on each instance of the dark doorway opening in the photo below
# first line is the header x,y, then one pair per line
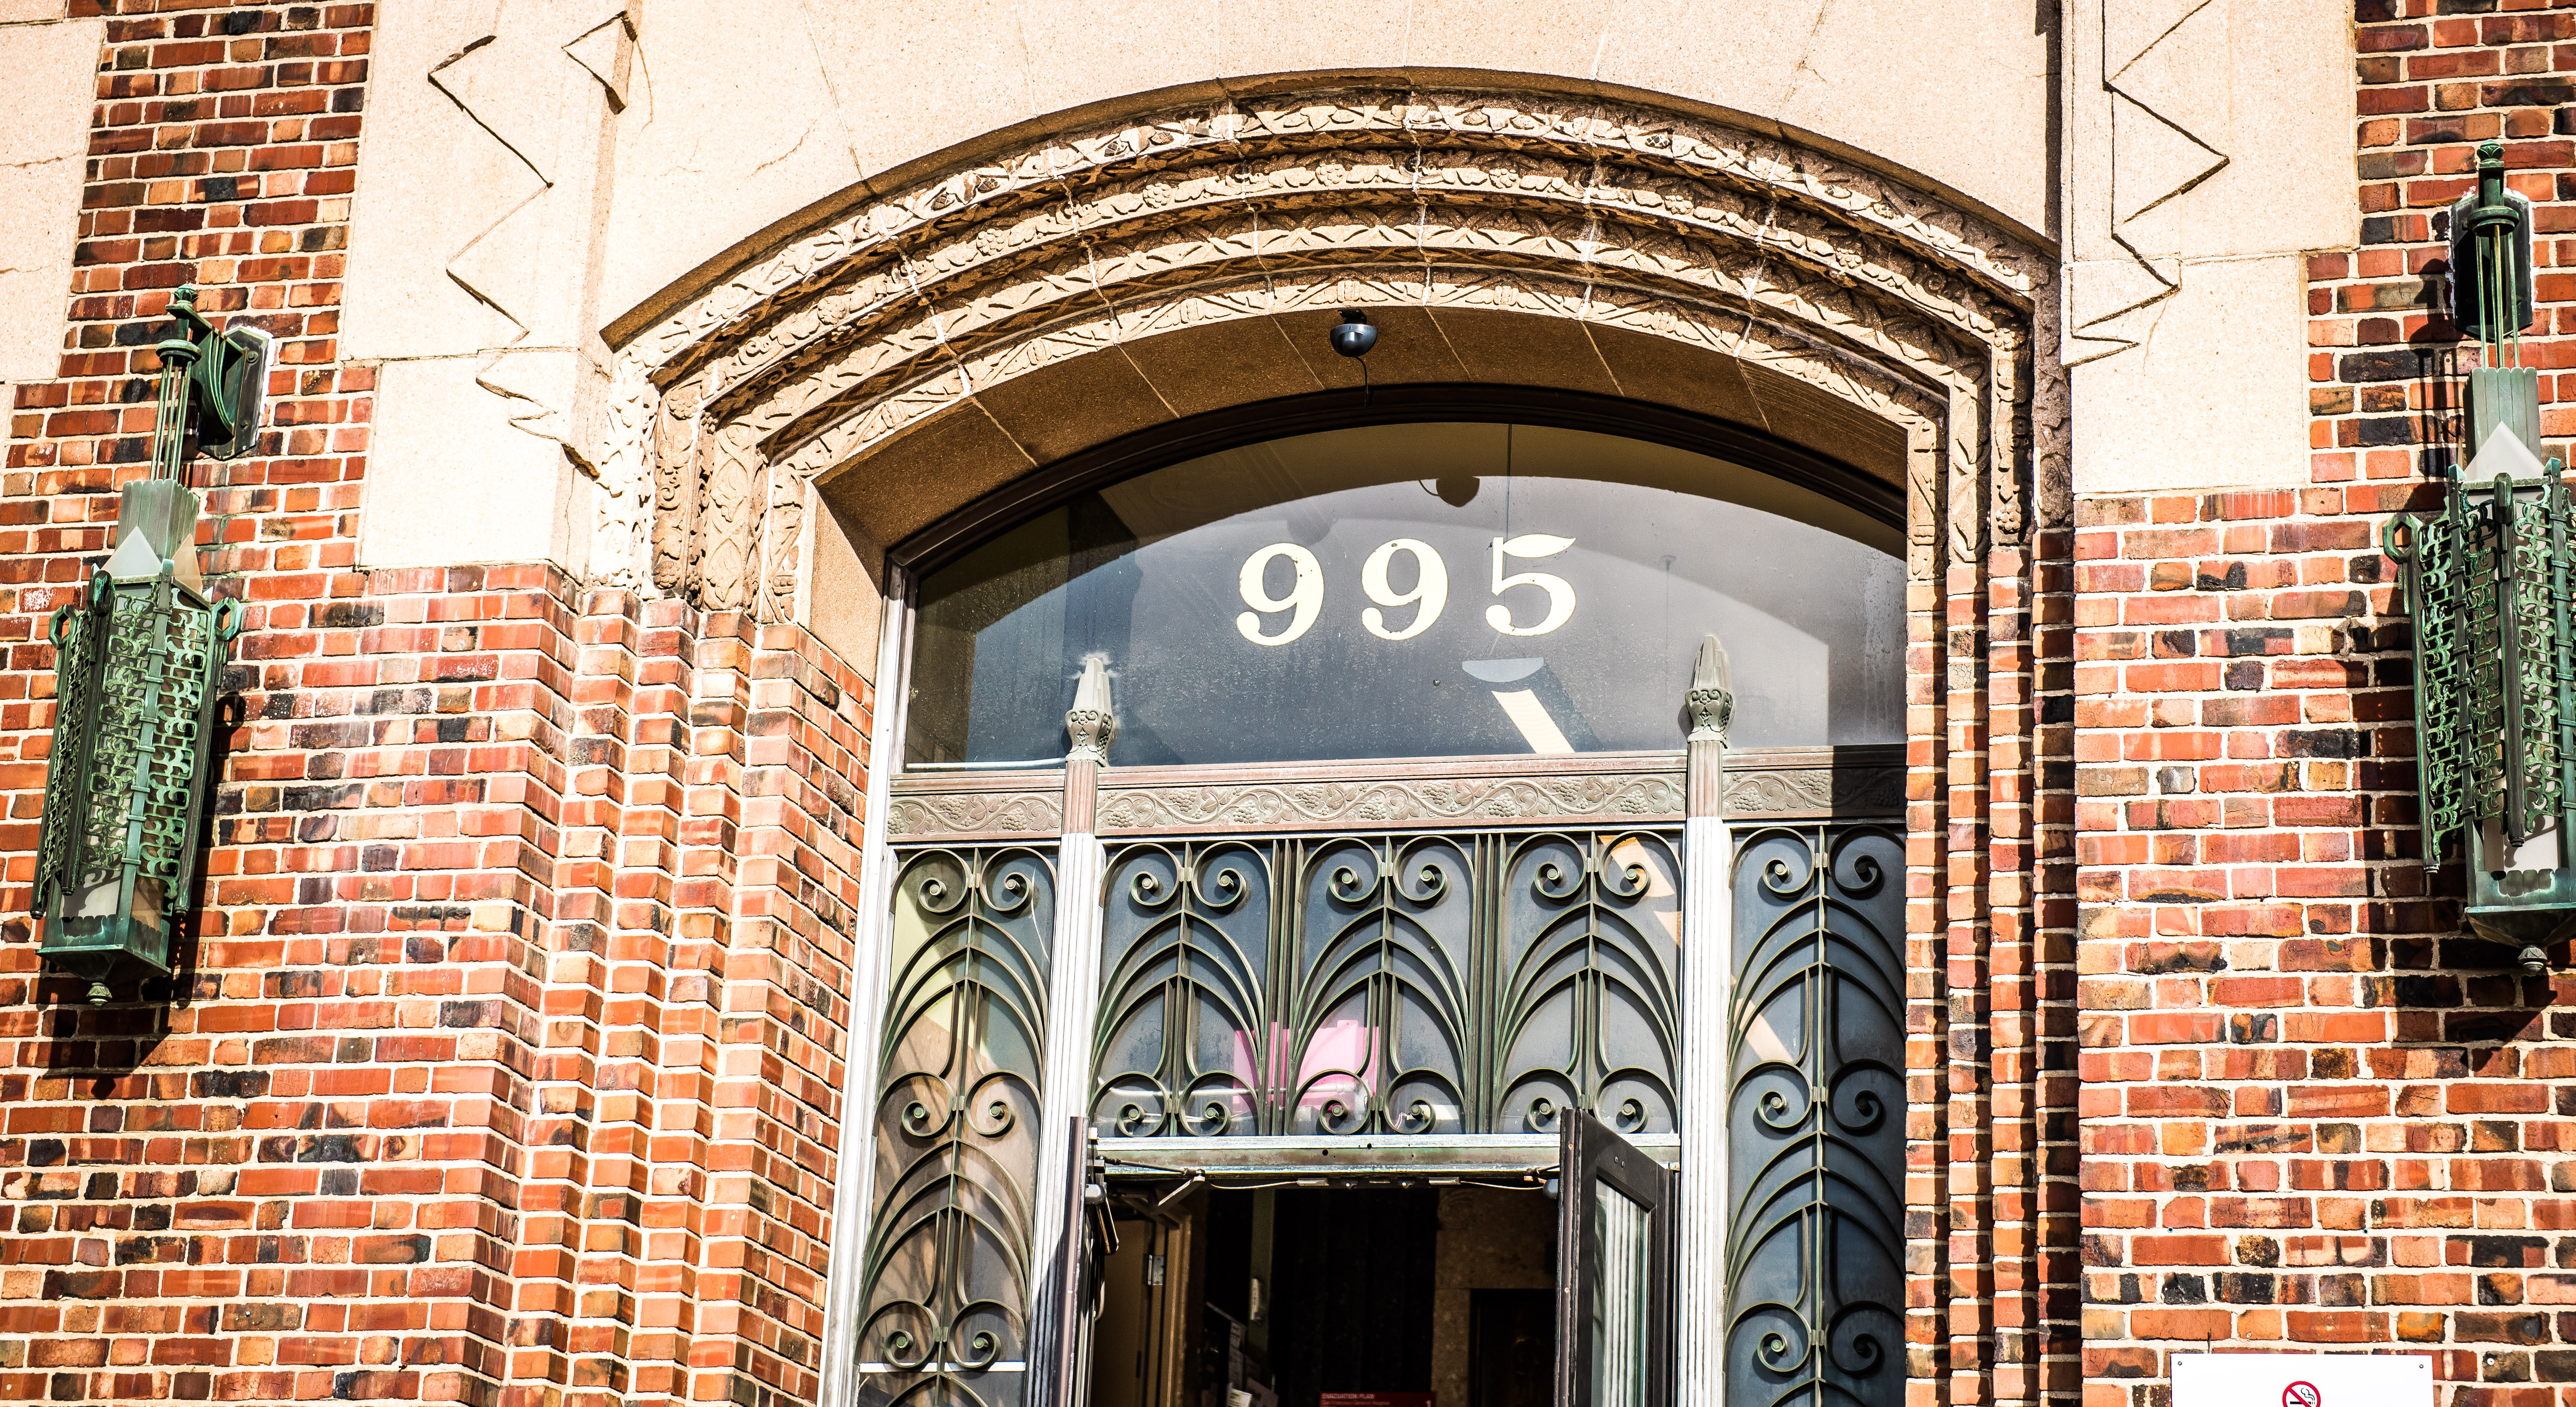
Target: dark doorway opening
x,y
1374,1296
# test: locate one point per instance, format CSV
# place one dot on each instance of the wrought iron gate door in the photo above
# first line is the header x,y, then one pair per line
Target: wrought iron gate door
x,y
1275,994
1816,1119
947,1280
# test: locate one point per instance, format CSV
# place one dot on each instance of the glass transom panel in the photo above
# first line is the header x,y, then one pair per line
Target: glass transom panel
x,y
1416,590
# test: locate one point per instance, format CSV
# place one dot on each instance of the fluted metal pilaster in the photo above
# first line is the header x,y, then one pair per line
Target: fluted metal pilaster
x,y
1073,1007
1708,868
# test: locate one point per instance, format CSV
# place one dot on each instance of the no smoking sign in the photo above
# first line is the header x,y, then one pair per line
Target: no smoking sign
x,y
2302,1380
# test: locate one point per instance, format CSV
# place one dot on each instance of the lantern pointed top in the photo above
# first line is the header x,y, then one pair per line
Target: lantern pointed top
x,y
2506,455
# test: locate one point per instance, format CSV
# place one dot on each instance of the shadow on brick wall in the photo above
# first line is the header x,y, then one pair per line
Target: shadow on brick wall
x,y
2464,1001
2437,390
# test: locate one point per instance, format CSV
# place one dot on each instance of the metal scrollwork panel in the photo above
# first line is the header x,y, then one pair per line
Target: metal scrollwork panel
x,y
78,638
1376,1004
1816,1119
1388,985
142,768
1185,966
947,1276
1589,999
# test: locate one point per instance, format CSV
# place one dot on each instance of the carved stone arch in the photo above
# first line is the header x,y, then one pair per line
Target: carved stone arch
x,y
927,346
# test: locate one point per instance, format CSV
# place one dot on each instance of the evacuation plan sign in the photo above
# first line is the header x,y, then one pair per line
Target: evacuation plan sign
x,y
2302,1380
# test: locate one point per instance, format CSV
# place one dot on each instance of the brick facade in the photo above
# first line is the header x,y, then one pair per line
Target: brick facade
x,y
2314,1113
505,1068
505,1064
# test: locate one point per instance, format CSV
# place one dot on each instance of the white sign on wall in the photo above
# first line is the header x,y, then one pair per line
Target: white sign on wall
x,y
2302,1380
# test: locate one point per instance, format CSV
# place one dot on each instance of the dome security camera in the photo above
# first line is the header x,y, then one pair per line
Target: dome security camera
x,y
1354,336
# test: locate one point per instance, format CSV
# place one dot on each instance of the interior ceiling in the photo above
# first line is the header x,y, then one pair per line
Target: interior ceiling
x,y
1064,410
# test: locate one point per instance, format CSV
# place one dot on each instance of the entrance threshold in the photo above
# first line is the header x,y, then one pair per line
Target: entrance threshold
x,y
1328,1156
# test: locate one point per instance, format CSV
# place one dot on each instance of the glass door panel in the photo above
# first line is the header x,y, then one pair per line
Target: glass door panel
x,y
1622,1227
1614,1272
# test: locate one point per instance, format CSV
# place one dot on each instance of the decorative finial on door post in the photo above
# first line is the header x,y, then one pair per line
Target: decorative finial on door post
x,y
1712,702
1712,708
1092,722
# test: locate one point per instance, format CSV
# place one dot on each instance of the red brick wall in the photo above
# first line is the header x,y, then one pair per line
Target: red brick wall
x,y
504,1064
2314,1115
505,1067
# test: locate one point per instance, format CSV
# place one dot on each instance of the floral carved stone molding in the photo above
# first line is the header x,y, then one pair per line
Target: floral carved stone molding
x,y
1816,791
1438,801
1914,312
960,814
1345,804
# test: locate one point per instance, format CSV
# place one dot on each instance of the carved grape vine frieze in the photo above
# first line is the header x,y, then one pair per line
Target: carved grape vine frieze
x,y
1360,804
1583,131
1341,804
976,813
1551,209
1815,791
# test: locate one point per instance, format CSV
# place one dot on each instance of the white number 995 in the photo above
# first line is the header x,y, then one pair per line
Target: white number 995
x,y
1428,596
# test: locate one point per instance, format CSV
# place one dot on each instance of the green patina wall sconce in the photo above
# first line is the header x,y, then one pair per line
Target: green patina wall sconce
x,y
138,660
2487,582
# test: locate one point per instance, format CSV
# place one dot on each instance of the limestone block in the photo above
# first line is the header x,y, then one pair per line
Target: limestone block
x,y
1101,49
450,483
1461,35
1955,91
903,83
478,179
53,84
1092,400
926,473
1204,368
2219,130
842,598
1293,36
730,128
748,113
2214,396
26,11
2202,141
473,237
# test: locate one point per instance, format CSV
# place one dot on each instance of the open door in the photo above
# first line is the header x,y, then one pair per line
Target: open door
x,y
1073,1282
1614,1277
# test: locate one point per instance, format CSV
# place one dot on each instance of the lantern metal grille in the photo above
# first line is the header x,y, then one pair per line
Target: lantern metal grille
x,y
136,682
2487,585
138,664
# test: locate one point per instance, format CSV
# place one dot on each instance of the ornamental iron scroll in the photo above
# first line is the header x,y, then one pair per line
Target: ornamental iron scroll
x,y
1816,1120
946,1282
1406,984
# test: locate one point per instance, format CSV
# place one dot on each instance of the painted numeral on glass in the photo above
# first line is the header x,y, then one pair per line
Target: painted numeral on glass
x,y
1305,596
1429,594
1560,592
1430,588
